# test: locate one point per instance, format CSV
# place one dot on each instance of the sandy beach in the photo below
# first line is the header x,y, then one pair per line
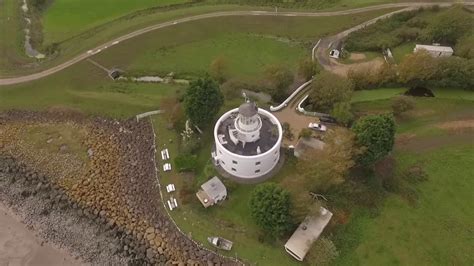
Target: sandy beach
x,y
20,246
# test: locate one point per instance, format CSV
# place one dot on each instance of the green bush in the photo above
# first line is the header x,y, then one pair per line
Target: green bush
x,y
270,208
401,104
377,134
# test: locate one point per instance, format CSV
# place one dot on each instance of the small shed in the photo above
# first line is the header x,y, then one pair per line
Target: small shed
x,y
306,144
212,192
307,233
435,50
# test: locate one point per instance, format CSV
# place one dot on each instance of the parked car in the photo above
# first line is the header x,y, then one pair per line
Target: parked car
x,y
328,119
317,127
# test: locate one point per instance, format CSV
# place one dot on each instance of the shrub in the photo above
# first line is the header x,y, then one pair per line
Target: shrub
x,y
232,89
277,79
270,208
377,134
322,253
342,113
401,104
305,133
327,90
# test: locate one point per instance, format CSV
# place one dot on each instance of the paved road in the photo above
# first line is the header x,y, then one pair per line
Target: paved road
x,y
85,55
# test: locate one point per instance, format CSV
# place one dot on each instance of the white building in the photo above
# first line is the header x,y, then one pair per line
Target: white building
x,y
247,141
435,50
309,231
212,192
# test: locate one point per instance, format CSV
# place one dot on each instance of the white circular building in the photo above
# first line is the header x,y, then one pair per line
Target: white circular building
x,y
247,142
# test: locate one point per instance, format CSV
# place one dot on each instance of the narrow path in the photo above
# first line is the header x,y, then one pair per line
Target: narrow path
x,y
98,65
85,55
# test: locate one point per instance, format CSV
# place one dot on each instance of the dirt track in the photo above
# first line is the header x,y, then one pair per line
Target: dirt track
x,y
321,53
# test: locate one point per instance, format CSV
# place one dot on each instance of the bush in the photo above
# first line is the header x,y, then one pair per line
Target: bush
x,y
186,163
277,79
287,133
327,90
401,104
306,133
270,207
322,253
377,134
307,69
342,113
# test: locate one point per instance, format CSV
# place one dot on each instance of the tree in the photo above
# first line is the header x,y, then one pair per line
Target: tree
x,y
322,253
418,68
377,134
322,169
277,79
327,90
202,101
455,72
307,69
270,208
402,104
342,112
306,133
219,69
173,110
451,25
464,47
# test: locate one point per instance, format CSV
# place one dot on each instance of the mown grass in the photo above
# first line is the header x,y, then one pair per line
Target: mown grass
x,y
377,94
249,42
12,36
88,89
65,18
434,230
437,231
80,42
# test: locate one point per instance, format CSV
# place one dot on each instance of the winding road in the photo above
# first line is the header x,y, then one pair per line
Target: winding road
x,y
320,53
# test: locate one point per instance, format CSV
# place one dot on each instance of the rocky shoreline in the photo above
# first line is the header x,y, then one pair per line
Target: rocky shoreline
x,y
106,211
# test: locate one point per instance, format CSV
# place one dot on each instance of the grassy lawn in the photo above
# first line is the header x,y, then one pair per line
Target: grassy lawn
x,y
248,43
60,23
96,94
246,55
377,94
302,28
436,231
11,43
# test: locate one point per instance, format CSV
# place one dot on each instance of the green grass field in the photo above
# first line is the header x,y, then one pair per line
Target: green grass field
x,y
247,42
437,230
12,53
66,18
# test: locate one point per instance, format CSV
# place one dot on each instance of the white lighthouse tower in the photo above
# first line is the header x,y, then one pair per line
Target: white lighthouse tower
x,y
247,141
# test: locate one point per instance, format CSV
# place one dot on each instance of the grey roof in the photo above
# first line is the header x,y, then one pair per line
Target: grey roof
x,y
434,48
305,144
308,232
214,188
248,109
267,139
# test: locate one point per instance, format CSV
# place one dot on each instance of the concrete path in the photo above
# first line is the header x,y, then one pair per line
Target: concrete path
x,y
85,55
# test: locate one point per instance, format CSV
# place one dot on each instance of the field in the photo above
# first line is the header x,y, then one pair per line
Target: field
x,y
60,23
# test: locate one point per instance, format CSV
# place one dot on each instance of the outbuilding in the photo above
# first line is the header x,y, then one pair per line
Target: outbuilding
x,y
307,233
435,50
212,192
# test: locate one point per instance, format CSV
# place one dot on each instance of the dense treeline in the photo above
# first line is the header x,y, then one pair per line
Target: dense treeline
x,y
419,69
445,26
